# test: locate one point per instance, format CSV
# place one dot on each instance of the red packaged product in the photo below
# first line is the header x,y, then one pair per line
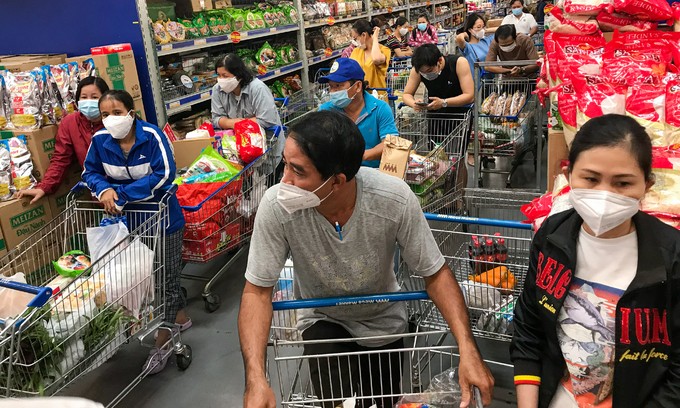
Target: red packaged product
x,y
558,22
645,103
587,7
609,22
672,114
566,106
576,54
250,140
597,96
651,10
638,58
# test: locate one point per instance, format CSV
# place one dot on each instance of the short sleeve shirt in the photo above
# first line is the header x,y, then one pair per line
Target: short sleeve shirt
x,y
375,122
523,24
376,75
386,213
525,50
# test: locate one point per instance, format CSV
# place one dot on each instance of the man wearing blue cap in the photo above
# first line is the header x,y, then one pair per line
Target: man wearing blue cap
x,y
373,116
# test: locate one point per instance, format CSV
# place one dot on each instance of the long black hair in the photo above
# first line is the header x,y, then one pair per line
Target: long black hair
x,y
614,130
470,22
119,95
91,80
235,66
363,26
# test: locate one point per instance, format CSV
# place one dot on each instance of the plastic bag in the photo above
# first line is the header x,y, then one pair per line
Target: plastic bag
x,y
209,161
646,104
609,22
25,100
558,22
250,140
22,166
101,240
587,7
4,105
13,302
443,390
266,56
6,187
651,10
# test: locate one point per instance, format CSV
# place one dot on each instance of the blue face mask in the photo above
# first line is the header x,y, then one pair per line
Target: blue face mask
x,y
340,99
89,108
422,26
517,12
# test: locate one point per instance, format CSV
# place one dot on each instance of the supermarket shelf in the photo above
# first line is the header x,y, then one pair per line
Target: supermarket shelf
x,y
322,58
200,43
393,9
436,2
423,4
336,20
442,17
185,102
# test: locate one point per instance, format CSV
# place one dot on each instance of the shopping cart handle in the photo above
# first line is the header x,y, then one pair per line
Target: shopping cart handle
x,y
349,300
79,186
82,186
42,294
489,222
400,58
284,101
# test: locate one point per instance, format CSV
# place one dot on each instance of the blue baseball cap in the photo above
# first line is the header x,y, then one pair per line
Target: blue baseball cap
x,y
343,69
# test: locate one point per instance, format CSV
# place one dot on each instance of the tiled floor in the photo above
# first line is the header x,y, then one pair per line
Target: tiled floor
x,y
215,379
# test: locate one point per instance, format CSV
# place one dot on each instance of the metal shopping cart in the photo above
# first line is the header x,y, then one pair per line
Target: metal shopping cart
x,y
74,325
439,142
507,121
222,221
320,380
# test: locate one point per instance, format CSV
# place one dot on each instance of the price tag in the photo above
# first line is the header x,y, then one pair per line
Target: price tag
x,y
261,69
272,30
330,21
174,105
200,41
235,37
205,95
166,47
328,52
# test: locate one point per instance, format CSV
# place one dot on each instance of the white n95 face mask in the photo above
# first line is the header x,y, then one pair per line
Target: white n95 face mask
x,y
293,198
118,126
228,84
601,210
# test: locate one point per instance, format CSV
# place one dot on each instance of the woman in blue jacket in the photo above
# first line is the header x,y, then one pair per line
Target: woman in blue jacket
x,y
131,161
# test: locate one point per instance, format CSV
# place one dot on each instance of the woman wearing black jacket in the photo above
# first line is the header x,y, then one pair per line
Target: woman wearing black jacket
x,y
596,323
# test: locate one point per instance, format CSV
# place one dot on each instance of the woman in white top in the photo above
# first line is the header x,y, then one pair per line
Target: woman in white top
x,y
525,23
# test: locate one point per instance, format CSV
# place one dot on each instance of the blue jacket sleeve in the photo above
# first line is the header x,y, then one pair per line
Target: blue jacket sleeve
x,y
93,174
163,172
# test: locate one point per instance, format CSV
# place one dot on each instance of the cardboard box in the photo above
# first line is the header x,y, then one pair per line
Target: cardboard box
x,y
118,69
21,65
139,108
35,262
3,245
58,199
187,150
557,153
19,219
200,5
221,4
395,155
41,144
495,22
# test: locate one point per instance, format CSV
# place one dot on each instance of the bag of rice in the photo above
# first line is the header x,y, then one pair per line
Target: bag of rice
x,y
672,114
649,10
645,103
597,96
566,106
637,58
587,7
610,22
558,22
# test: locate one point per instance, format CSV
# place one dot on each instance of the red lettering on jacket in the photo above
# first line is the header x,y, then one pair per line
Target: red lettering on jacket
x,y
649,324
552,276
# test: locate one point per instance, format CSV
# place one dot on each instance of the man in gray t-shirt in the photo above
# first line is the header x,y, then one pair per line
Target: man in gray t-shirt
x,y
340,225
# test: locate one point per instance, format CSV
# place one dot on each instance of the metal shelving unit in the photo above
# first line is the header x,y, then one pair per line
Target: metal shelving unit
x,y
185,102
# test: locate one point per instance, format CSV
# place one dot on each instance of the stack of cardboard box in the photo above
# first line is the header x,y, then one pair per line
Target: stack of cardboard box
x,y
26,62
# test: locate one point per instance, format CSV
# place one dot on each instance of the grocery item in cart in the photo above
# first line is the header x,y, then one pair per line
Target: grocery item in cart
x,y
489,103
443,391
499,105
610,22
22,165
480,295
672,114
596,96
13,302
72,263
519,98
498,277
646,104
649,10
557,22
25,99
250,140
6,187
499,320
208,163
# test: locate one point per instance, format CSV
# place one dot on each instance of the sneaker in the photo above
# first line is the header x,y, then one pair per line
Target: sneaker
x,y
157,360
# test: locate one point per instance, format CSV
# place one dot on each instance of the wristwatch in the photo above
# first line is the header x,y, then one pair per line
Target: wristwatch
x,y
444,103
523,71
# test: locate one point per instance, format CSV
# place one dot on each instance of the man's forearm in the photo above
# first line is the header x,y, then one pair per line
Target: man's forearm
x,y
497,70
447,296
254,320
374,153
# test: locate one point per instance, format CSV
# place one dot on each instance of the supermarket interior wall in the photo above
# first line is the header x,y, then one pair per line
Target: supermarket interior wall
x,y
72,28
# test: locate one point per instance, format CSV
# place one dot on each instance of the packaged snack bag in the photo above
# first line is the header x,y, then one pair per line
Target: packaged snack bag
x,y
6,187
72,264
250,140
645,103
25,98
22,166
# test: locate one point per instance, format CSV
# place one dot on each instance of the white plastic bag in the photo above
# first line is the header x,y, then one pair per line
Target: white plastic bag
x,y
13,302
101,239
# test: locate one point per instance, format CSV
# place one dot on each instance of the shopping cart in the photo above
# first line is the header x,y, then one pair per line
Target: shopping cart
x,y
74,325
508,130
310,379
400,62
538,39
397,78
439,142
223,220
294,106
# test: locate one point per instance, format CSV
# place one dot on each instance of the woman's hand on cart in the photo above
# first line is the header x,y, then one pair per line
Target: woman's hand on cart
x,y
473,372
259,395
109,198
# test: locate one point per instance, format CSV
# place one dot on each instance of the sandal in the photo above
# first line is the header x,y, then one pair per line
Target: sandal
x,y
157,360
182,327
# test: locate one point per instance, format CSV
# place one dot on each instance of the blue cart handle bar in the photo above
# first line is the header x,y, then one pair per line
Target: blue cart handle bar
x,y
82,186
42,295
349,300
489,222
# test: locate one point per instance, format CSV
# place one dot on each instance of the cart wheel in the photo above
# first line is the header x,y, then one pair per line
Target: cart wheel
x,y
184,292
212,303
184,359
